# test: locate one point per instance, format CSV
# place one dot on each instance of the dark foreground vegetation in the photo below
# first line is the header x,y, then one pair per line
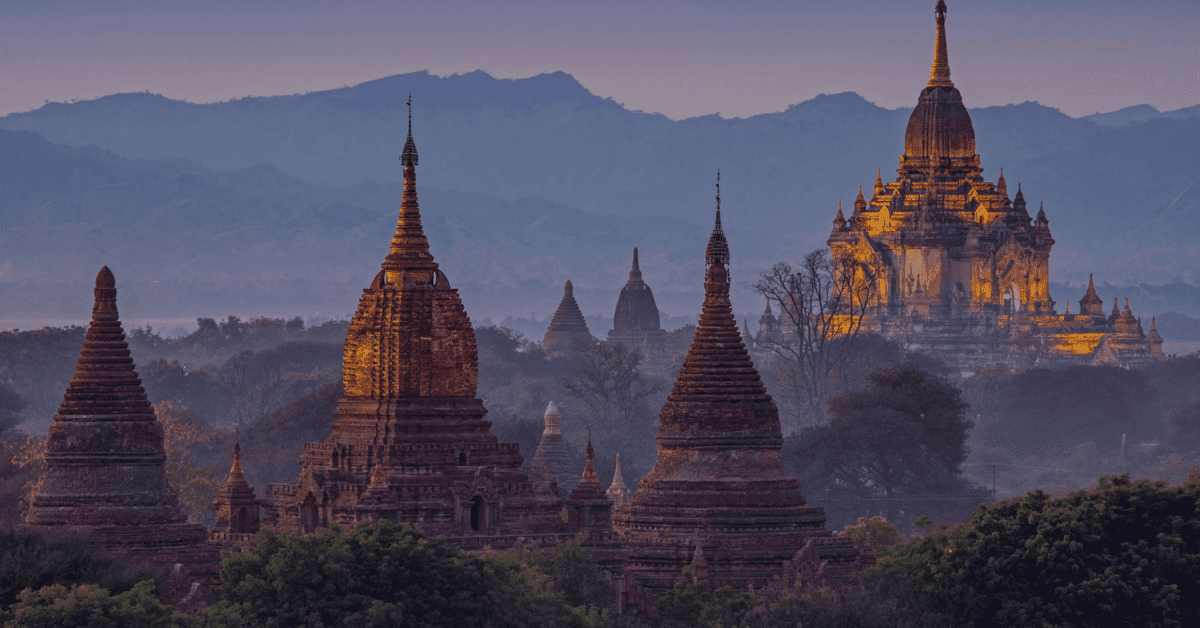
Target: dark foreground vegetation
x,y
1124,553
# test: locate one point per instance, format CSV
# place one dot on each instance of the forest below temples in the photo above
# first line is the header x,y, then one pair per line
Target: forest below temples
x,y
273,384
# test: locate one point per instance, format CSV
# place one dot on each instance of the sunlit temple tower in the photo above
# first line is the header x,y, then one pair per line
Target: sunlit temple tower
x,y
104,472
718,481
550,462
236,506
410,442
949,253
568,327
635,321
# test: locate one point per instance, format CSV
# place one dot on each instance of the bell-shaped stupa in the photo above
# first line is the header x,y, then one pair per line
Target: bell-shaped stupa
x,y
105,473
635,321
551,463
718,475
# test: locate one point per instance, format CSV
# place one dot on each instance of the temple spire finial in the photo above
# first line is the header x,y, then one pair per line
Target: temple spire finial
x,y
409,258
718,246
939,71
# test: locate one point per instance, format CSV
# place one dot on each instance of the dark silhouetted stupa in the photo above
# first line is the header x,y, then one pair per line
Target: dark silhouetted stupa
x,y
718,481
635,321
568,326
551,463
104,471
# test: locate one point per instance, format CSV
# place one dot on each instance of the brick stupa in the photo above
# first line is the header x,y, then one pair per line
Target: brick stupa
x,y
568,327
551,463
104,471
718,480
410,442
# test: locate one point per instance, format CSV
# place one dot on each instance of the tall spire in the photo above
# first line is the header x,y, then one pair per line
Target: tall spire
x,y
939,72
409,258
718,246
589,469
1002,185
635,272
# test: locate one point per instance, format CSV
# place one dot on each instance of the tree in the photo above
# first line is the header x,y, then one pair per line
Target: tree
x,y
32,560
902,437
182,433
57,606
11,405
609,381
1126,553
821,308
382,575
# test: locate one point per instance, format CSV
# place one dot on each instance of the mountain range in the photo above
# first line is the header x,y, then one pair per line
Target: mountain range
x,y
286,203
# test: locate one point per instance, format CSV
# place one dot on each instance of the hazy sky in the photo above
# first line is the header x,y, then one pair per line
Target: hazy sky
x,y
680,58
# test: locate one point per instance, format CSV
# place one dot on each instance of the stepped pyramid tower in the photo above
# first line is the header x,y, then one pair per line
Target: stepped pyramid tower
x,y
567,327
946,261
104,471
236,506
550,463
589,506
718,476
635,321
410,417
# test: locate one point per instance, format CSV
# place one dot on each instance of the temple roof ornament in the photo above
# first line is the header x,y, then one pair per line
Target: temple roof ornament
x,y
940,126
718,247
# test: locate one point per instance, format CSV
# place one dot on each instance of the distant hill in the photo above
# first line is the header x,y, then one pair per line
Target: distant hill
x,y
188,241
1121,192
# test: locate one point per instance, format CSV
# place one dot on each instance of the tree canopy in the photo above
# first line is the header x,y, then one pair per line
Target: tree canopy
x,y
897,442
382,575
1126,553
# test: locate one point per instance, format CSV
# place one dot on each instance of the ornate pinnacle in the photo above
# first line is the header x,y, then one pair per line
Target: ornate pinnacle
x,y
939,72
718,246
409,251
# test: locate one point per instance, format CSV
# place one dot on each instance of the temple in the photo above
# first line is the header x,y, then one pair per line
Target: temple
x,y
567,327
550,462
718,482
952,264
410,443
105,474
635,321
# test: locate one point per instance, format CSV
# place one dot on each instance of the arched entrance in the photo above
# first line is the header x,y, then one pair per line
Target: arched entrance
x,y
476,512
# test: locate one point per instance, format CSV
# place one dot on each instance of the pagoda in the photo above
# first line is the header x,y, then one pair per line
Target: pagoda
x,y
946,261
568,327
105,474
551,463
410,443
635,321
718,480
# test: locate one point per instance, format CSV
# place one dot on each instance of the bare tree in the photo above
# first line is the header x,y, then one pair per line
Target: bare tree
x,y
609,381
821,308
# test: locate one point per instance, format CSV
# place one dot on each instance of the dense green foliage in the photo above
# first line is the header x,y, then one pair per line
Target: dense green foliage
x,y
1126,553
90,606
894,447
385,575
689,604
30,560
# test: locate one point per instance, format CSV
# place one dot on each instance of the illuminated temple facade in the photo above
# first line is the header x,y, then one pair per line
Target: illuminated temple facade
x,y
961,269
410,443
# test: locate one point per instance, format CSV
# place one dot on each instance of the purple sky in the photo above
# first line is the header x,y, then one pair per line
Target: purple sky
x,y
680,58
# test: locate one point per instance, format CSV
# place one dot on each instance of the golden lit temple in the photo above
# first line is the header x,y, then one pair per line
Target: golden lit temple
x,y
959,268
